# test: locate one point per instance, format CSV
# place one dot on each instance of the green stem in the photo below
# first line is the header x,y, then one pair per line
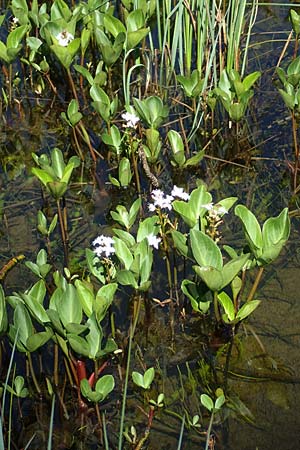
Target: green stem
x,y
10,85
35,382
49,446
63,232
216,307
207,445
72,85
55,365
136,171
131,335
296,148
255,284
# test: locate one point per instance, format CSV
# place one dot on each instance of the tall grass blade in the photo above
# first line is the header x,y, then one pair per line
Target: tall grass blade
x,y
49,446
181,433
131,336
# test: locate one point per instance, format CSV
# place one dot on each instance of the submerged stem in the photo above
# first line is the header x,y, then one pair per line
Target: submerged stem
x,y
207,444
255,284
63,232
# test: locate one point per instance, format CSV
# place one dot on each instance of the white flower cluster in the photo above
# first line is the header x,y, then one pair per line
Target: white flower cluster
x,y
103,246
215,210
64,38
131,120
164,201
153,241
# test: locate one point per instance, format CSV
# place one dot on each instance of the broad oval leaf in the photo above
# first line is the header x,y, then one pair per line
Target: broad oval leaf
x,y
205,250
247,309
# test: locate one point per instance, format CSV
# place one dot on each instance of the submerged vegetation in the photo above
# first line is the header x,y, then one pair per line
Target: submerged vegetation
x,y
150,100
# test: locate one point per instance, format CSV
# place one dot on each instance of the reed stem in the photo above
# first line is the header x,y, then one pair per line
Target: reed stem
x,y
131,336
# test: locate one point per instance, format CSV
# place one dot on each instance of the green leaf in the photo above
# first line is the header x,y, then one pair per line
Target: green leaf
x,y
86,296
126,237
69,306
207,402
179,241
147,227
193,292
194,160
227,305
232,268
94,337
289,100
149,377
177,147
123,253
212,277
43,176
138,379
205,250
104,299
125,173
247,309
79,345
133,38
37,340
219,402
14,38
250,79
105,386
134,210
36,309
251,229
295,19
113,25
275,234
126,278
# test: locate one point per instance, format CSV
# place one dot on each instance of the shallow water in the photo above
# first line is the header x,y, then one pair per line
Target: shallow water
x,y
266,374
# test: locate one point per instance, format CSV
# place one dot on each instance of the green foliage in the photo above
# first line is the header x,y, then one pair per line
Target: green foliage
x,y
295,19
151,110
265,244
9,52
72,116
103,388
192,84
208,403
54,174
291,85
144,381
211,269
124,217
235,93
40,268
18,388
3,312
231,316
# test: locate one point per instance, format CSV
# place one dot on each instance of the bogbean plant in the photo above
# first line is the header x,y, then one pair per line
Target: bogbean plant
x,y
71,310
71,313
64,39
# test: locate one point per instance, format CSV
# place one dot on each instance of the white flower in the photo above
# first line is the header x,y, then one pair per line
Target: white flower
x,y
151,207
131,120
103,245
153,241
221,209
208,206
160,200
179,192
64,38
15,20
